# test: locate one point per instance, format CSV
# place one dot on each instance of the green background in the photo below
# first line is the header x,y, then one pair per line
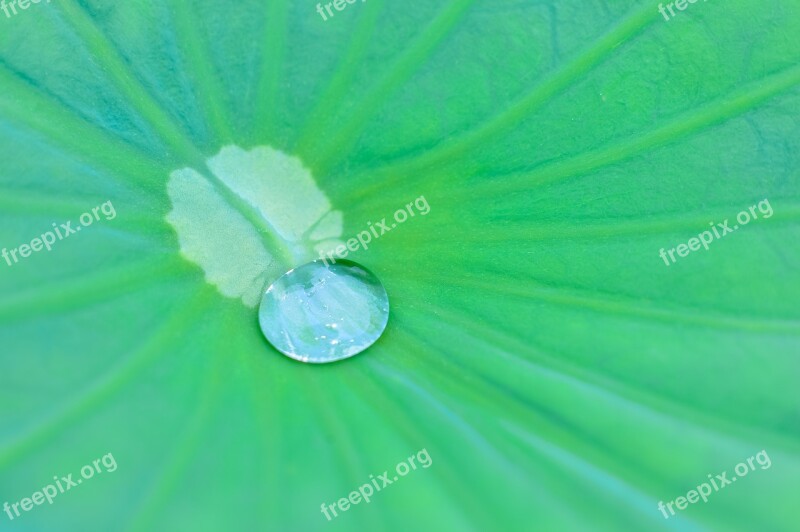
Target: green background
x,y
559,374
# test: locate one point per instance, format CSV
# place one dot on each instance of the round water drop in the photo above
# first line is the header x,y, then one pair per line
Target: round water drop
x,y
322,313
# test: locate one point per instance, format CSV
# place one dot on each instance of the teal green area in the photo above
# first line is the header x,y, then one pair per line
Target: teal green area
x,y
559,373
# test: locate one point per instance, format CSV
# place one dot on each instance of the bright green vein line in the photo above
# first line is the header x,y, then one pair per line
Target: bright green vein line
x,y
487,378
529,229
349,460
261,389
185,451
604,479
127,83
345,73
616,305
534,100
720,111
273,50
103,285
549,364
75,136
366,384
400,71
541,94
522,353
449,385
25,203
157,344
548,378
716,112
204,79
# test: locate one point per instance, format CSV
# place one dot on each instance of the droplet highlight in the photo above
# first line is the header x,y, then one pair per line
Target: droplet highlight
x,y
320,313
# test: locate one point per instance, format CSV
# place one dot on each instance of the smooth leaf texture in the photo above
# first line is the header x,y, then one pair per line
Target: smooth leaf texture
x,y
560,375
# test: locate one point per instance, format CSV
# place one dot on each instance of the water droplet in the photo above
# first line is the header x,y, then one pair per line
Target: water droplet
x,y
298,309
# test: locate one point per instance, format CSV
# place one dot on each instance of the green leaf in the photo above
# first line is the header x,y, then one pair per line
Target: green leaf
x,y
558,371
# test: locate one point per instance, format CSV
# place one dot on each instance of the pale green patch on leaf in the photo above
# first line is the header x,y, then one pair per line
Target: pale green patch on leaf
x,y
249,225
